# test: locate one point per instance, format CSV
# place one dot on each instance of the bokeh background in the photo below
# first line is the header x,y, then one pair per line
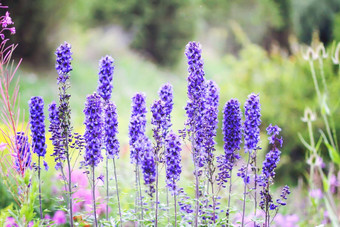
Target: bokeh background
x,y
248,46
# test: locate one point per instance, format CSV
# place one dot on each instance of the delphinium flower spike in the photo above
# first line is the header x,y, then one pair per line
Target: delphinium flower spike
x,y
158,121
137,128
210,123
56,137
166,96
173,165
148,166
195,111
111,142
105,90
268,173
252,122
93,138
37,118
106,69
23,157
232,137
63,67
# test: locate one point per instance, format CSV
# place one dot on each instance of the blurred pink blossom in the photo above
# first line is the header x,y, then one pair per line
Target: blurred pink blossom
x,y
316,193
10,222
286,221
59,217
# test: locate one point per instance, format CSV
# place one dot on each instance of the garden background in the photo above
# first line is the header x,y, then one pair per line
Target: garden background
x,y
248,46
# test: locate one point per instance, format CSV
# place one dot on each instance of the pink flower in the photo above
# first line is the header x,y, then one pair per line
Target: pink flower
x,y
286,221
59,217
10,222
316,193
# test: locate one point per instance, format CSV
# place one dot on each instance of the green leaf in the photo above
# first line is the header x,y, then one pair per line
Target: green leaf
x,y
333,154
304,142
325,183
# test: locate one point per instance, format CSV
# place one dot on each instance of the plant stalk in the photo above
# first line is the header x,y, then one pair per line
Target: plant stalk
x,y
117,191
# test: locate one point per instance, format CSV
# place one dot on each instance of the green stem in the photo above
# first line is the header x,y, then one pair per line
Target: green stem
x,y
94,197
117,190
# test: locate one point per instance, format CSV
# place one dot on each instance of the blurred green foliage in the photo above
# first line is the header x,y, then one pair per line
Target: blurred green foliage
x,y
315,15
36,23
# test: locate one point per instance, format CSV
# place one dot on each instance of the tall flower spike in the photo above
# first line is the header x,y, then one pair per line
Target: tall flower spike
x,y
166,95
232,126
148,166
252,112
232,136
63,62
23,158
56,137
173,161
211,117
93,130
111,130
195,108
158,120
273,156
137,126
37,118
105,77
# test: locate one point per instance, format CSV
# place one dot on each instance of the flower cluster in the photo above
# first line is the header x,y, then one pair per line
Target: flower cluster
x,y
173,161
111,130
285,191
166,96
211,118
105,77
148,166
63,62
273,156
137,127
5,21
232,136
93,130
23,155
268,173
56,137
37,118
195,106
158,121
252,112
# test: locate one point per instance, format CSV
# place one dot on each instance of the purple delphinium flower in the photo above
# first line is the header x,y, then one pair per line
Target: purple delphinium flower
x,y
111,130
63,62
252,113
158,121
148,166
173,161
56,137
273,156
105,77
23,158
268,172
166,95
37,118
195,106
93,130
211,119
137,126
285,191
232,137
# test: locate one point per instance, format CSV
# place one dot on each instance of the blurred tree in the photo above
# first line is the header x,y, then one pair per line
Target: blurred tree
x,y
162,28
36,21
315,15
278,33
